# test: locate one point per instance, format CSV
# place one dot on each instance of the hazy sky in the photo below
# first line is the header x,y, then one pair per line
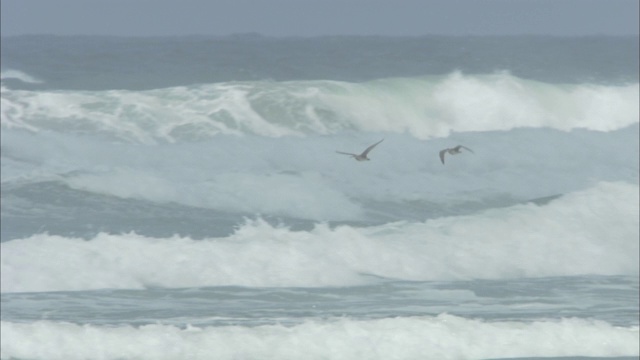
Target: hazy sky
x,y
319,17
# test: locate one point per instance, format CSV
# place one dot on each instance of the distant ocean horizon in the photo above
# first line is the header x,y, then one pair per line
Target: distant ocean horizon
x,y
182,197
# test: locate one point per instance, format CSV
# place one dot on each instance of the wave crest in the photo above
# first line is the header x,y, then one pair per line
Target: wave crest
x,y
566,237
424,107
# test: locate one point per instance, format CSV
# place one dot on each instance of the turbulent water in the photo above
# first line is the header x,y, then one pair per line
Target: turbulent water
x,y
182,198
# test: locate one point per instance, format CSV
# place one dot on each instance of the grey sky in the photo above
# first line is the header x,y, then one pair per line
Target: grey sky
x,y
319,17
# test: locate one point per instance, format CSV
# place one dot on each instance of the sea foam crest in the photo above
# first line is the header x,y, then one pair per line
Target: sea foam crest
x,y
19,75
440,337
588,232
424,107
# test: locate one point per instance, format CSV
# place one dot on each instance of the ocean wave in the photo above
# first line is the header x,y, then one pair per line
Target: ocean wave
x,y
20,76
424,107
440,337
304,178
587,232
301,195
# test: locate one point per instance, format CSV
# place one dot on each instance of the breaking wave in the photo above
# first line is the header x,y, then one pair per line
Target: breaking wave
x,y
424,107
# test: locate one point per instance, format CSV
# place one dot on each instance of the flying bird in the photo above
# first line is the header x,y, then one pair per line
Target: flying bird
x,y
363,156
453,151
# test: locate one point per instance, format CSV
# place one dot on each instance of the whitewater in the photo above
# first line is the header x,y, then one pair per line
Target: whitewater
x,y
182,197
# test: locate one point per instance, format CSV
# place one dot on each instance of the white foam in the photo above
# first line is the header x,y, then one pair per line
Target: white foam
x,y
587,232
441,337
460,103
423,107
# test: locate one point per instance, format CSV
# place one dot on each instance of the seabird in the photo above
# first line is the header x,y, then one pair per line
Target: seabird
x,y
453,151
363,156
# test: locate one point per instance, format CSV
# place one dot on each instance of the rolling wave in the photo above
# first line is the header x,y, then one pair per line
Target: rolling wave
x,y
304,178
424,107
565,237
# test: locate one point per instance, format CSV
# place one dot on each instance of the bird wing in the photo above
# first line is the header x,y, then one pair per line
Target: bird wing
x,y
442,152
364,153
466,148
346,153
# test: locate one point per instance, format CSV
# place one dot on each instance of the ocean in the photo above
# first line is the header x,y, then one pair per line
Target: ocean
x,y
183,198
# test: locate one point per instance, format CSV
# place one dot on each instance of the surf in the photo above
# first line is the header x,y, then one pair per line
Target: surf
x,y
424,107
562,238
